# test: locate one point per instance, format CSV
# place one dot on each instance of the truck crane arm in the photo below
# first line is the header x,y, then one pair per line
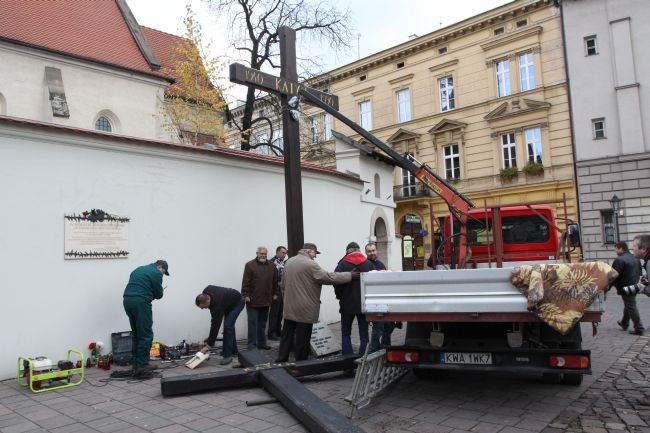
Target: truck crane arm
x,y
457,203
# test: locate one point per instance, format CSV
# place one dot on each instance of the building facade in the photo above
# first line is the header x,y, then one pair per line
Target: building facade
x,y
608,66
483,102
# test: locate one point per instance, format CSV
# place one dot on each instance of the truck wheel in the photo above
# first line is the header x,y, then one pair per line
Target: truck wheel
x,y
572,379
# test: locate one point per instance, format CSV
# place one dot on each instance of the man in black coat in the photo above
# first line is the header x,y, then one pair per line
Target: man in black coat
x,y
629,271
222,302
349,296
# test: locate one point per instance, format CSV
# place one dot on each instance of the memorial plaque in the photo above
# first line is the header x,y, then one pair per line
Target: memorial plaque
x,y
323,341
87,237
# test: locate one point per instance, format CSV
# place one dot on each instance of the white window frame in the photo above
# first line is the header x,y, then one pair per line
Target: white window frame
x,y
409,187
598,132
365,114
589,39
446,93
314,131
502,69
527,71
278,139
451,157
508,150
327,126
108,121
403,98
533,137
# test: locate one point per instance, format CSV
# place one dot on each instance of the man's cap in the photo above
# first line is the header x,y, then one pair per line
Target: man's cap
x,y
163,264
310,246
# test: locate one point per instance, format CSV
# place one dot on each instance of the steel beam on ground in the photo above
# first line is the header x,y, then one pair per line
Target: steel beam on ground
x,y
316,415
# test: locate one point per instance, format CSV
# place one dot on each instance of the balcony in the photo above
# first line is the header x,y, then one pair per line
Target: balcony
x,y
407,192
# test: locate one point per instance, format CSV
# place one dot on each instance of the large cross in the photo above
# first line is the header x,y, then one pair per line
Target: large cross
x,y
286,86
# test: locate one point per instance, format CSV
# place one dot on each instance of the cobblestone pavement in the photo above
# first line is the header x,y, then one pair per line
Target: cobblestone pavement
x,y
455,403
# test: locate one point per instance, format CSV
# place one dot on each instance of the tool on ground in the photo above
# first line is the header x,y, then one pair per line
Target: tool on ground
x,y
197,359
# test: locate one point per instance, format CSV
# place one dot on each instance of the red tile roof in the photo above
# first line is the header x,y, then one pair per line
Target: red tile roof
x,y
90,29
162,45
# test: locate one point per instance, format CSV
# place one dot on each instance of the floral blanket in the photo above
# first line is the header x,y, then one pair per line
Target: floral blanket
x,y
559,294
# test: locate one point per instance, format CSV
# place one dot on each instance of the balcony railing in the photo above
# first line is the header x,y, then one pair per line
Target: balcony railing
x,y
405,192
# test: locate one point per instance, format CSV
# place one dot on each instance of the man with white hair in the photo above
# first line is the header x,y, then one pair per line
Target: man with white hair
x,y
259,287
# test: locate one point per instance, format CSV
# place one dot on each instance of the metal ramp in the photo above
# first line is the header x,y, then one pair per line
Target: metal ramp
x,y
371,378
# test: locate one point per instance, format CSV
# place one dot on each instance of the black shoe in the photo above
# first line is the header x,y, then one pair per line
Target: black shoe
x,y
143,374
624,327
148,367
280,361
636,332
273,337
265,347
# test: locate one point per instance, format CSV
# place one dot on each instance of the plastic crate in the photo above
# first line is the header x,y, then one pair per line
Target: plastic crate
x,y
121,345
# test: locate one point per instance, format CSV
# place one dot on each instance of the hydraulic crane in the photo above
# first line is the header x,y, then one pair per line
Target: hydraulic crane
x,y
457,203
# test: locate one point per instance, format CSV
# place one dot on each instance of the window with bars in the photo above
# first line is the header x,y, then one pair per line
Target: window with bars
x,y
508,146
365,115
103,124
533,138
608,226
598,128
503,78
526,72
404,105
591,46
446,89
452,161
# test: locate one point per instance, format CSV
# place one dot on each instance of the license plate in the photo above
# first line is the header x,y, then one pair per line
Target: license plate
x,y
465,358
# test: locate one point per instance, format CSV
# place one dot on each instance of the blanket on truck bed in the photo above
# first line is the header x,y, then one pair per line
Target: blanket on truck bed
x,y
559,294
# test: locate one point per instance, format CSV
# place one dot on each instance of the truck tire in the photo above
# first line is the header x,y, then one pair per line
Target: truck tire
x,y
552,378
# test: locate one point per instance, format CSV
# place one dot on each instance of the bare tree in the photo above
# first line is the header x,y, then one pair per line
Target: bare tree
x,y
253,28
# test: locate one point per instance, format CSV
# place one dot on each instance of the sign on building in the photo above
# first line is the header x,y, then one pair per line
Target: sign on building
x,y
95,235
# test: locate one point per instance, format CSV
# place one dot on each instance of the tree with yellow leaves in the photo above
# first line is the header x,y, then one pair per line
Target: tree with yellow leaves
x,y
194,107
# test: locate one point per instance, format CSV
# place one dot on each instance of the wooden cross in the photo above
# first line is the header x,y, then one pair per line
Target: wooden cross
x,y
287,87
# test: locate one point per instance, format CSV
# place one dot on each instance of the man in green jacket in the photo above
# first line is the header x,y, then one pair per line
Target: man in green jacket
x,y
145,285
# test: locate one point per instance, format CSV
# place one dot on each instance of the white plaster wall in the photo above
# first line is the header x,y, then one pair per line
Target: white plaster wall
x,y
89,89
593,78
204,213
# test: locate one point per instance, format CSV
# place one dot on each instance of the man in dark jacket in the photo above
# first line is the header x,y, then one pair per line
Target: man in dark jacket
x,y
349,296
222,302
145,285
381,331
275,314
629,271
259,287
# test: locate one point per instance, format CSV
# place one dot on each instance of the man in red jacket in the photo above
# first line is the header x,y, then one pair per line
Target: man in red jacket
x,y
259,287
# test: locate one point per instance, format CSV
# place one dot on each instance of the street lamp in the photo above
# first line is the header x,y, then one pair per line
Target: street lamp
x,y
616,207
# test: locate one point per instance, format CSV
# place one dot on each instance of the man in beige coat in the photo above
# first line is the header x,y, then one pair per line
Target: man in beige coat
x,y
303,279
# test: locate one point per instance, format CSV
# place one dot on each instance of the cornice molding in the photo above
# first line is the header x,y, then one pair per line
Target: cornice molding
x,y
362,91
402,78
443,65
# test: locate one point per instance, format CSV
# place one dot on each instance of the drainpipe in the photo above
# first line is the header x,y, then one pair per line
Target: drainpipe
x,y
558,4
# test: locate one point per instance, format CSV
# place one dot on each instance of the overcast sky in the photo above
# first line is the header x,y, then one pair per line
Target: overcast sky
x,y
378,24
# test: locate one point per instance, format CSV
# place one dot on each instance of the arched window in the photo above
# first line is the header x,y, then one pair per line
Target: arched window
x,y
377,186
3,105
103,124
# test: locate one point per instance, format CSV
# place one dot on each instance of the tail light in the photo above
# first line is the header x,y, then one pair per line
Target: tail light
x,y
402,357
569,361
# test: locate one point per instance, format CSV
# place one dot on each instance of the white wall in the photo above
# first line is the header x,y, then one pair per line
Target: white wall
x,y
203,212
133,98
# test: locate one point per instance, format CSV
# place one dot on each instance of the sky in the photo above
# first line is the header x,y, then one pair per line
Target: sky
x,y
377,24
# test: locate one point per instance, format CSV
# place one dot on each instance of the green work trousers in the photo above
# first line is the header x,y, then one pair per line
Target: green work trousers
x,y
141,321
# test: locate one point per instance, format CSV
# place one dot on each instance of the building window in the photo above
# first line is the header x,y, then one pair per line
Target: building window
x,y
522,23
509,150
327,126
452,161
103,124
278,139
400,65
598,127
608,226
404,105
262,140
446,86
442,50
314,131
363,78
499,31
365,115
377,182
526,72
533,138
503,78
591,47
409,188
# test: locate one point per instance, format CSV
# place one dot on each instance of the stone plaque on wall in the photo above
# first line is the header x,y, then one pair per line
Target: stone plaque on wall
x,y
95,234
323,341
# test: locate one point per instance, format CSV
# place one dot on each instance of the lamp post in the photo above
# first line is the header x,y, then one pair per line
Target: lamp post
x,y
616,207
